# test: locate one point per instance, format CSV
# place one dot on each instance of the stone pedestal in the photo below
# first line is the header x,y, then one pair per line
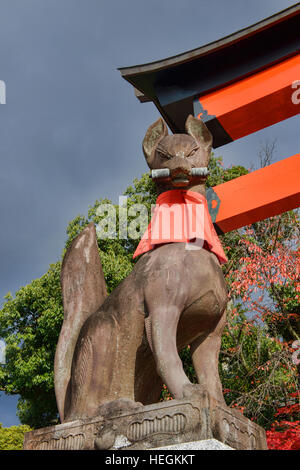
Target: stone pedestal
x,y
146,427
205,444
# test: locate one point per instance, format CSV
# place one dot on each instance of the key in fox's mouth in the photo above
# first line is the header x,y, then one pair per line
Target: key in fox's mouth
x,y
181,178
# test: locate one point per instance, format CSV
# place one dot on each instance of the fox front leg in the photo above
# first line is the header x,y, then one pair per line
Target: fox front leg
x,y
162,327
205,356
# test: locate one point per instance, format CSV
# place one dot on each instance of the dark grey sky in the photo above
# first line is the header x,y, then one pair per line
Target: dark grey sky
x,y
71,130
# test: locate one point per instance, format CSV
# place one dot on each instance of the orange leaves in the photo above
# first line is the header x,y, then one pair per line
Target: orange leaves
x,y
264,284
284,436
288,410
260,271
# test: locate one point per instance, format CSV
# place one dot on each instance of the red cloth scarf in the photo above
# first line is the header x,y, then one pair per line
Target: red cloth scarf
x,y
181,216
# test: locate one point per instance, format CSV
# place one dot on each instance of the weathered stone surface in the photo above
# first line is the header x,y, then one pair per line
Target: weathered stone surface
x,y
206,444
172,422
83,291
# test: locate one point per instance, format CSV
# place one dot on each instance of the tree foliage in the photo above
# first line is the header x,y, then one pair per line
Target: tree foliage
x,y
12,438
266,279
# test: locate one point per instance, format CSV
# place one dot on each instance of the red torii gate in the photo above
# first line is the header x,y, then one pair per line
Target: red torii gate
x,y
236,85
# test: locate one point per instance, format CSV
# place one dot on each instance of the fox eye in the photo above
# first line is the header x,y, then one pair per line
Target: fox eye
x,y
192,152
164,155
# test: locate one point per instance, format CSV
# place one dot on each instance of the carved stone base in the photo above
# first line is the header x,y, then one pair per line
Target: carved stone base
x,y
157,425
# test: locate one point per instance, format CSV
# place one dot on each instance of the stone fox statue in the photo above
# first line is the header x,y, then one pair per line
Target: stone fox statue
x,y
121,348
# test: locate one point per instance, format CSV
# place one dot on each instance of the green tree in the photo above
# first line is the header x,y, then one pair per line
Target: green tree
x,y
12,438
29,324
255,367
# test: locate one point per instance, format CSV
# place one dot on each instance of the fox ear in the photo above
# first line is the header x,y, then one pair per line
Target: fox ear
x,y
197,129
154,134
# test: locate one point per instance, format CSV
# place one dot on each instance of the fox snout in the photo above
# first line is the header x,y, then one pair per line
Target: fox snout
x,y
179,175
180,171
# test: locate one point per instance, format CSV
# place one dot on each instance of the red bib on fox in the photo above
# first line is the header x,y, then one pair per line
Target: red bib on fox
x,y
181,216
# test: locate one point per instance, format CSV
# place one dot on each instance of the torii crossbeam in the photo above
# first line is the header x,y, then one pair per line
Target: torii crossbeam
x,y
237,85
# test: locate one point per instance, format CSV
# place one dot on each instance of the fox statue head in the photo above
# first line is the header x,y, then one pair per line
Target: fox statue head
x,y
179,160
